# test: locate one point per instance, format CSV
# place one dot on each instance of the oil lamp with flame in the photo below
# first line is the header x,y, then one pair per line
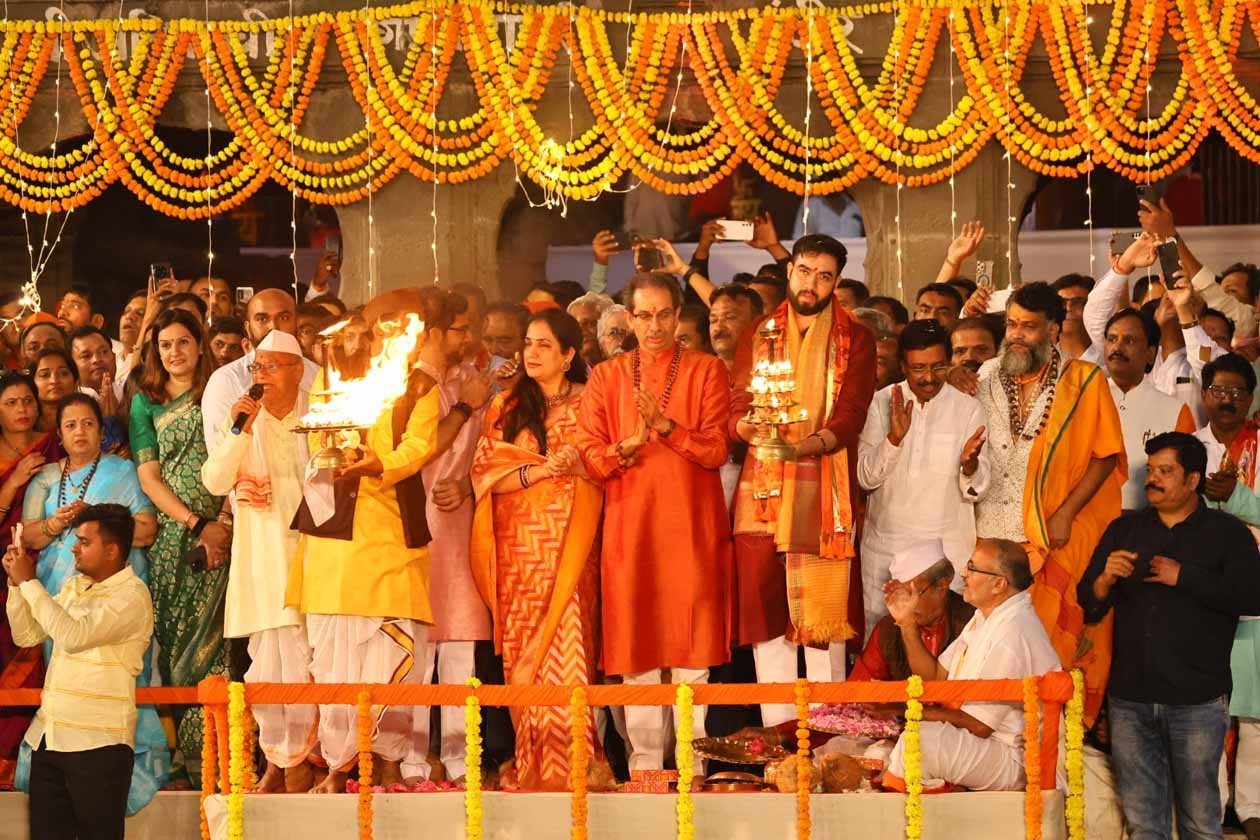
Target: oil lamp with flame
x,y
774,398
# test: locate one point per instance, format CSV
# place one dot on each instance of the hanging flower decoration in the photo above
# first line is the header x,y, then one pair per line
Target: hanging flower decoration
x,y
1032,759
208,766
685,759
1074,808
236,761
366,724
472,775
913,758
579,761
804,763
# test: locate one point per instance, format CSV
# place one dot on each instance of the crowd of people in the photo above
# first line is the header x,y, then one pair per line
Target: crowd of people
x,y
985,485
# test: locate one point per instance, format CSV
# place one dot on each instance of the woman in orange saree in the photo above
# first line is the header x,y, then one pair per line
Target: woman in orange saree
x,y
23,450
535,552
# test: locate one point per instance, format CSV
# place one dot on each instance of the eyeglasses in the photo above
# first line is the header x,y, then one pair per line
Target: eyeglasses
x,y
972,568
269,367
935,370
1231,394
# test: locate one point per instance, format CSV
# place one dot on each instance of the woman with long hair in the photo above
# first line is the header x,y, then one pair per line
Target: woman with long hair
x,y
56,376
535,550
169,447
23,452
88,476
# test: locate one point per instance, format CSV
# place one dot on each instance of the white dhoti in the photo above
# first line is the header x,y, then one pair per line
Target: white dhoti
x,y
286,732
876,561
647,727
455,666
1247,770
776,662
355,649
956,756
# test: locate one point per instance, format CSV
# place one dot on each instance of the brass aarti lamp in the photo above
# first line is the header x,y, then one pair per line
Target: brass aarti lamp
x,y
774,398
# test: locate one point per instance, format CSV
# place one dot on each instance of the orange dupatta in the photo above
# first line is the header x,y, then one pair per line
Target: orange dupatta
x,y
495,460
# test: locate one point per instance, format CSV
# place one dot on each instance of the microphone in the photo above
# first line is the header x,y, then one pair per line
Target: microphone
x,y
255,393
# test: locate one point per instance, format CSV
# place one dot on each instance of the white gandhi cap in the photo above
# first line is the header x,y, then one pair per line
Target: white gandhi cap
x,y
278,341
911,562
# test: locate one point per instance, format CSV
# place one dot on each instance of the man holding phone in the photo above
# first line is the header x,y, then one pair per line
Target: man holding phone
x,y
1178,576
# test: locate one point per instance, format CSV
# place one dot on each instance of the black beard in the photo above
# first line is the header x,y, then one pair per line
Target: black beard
x,y
819,306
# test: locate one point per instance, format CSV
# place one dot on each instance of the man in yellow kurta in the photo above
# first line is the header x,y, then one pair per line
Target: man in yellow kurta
x,y
1050,474
365,593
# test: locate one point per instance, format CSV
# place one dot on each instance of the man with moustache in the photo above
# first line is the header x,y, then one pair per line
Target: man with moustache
x,y
129,331
653,429
1050,474
1132,339
94,357
1177,576
796,519
586,310
732,309
908,459
1230,485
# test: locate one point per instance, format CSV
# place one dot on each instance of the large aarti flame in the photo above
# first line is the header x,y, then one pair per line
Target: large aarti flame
x,y
358,403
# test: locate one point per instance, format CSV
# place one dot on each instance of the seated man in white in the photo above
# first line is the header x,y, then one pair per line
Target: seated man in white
x,y
981,745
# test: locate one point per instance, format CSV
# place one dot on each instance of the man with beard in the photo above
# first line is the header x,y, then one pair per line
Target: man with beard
x,y
586,310
269,309
1051,472
796,519
908,459
459,614
1230,485
653,428
1132,339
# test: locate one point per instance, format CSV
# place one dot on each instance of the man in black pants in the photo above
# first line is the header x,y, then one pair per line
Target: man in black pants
x,y
100,624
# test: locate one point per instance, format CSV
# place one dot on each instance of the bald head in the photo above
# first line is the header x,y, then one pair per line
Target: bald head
x,y
270,309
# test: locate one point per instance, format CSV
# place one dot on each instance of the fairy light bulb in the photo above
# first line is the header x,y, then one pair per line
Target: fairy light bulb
x,y
290,97
809,92
434,116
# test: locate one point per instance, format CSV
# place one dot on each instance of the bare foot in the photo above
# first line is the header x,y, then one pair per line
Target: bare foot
x,y
318,773
271,782
299,778
390,773
335,782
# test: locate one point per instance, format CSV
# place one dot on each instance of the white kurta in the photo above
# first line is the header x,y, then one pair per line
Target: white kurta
x,y
1010,643
914,490
262,541
1144,413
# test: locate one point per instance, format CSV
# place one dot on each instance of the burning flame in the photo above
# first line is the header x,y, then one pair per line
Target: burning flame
x,y
359,402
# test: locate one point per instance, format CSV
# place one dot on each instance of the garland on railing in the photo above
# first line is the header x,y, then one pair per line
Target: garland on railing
x,y
685,759
579,760
1074,808
1032,759
739,60
209,759
913,756
366,723
472,774
804,761
236,761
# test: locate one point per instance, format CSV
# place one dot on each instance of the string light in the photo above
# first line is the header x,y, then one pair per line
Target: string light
x,y
434,94
1089,155
896,104
367,122
625,65
953,203
290,99
809,92
1010,183
209,162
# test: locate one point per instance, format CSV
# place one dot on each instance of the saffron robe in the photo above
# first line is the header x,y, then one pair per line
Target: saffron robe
x,y
666,557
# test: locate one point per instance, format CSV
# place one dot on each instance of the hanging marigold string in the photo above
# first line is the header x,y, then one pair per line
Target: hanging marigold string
x,y
1074,808
236,761
914,758
1032,760
472,774
579,761
208,766
685,759
804,763
366,724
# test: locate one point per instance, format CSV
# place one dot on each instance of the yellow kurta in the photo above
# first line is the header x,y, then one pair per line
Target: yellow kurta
x,y
374,574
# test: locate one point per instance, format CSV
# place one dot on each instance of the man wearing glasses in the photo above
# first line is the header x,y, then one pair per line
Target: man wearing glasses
x,y
979,746
908,459
262,464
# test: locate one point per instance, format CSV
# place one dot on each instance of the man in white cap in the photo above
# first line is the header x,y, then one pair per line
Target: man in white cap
x,y
981,745
937,619
263,464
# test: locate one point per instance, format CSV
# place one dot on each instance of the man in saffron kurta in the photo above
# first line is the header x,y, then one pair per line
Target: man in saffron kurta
x,y
796,520
1050,476
653,428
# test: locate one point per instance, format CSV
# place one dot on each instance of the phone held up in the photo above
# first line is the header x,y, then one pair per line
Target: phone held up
x,y
1169,262
243,294
984,273
1120,242
735,230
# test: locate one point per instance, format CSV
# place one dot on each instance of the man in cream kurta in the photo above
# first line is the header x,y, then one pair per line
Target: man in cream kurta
x,y
908,460
981,745
263,464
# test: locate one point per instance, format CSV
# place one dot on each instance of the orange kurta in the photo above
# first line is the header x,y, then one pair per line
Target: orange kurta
x,y
1083,425
666,559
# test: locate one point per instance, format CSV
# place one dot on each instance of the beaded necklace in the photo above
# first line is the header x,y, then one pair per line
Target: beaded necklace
x,y
669,381
1015,399
65,479
560,396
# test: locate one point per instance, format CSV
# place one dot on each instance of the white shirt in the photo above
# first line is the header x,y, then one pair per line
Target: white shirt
x,y
1215,456
263,542
1144,413
227,385
99,632
1008,645
914,491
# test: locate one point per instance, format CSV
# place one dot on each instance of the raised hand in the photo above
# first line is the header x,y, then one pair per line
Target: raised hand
x,y
1157,221
765,236
604,245
970,460
978,303
965,244
899,416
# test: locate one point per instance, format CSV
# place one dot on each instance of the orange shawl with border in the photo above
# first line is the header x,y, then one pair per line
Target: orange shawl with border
x,y
1083,425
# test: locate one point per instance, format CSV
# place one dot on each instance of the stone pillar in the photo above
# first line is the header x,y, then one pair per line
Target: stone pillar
x,y
980,192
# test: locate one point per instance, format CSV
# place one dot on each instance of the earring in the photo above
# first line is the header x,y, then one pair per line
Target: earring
x,y
566,364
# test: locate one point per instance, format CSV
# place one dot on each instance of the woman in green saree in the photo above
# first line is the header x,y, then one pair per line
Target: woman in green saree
x,y
168,446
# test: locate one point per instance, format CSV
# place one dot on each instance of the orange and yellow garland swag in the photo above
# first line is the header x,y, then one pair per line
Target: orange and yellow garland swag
x,y
737,57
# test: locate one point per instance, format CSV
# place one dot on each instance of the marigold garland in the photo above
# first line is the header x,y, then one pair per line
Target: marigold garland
x,y
913,756
236,761
366,724
579,761
684,758
804,763
1074,808
209,763
1032,759
472,775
